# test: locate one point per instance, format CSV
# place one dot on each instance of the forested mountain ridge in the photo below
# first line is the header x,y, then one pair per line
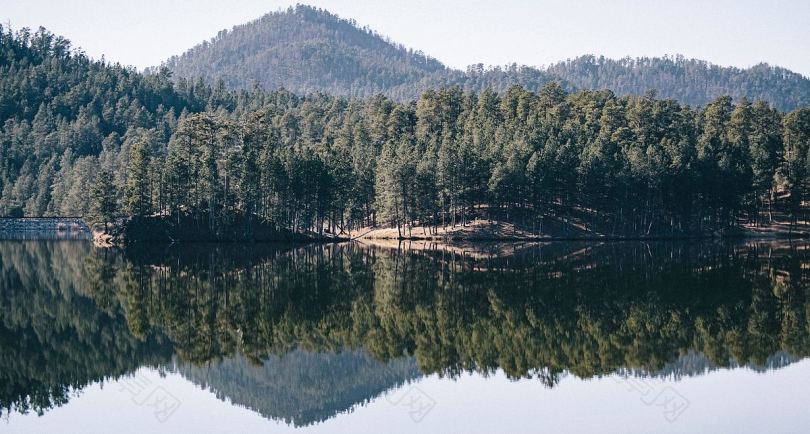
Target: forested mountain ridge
x,y
690,81
304,49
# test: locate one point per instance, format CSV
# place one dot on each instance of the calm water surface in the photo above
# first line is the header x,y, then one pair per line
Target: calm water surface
x,y
561,337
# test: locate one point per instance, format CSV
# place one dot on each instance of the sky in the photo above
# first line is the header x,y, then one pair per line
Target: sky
x,y
739,33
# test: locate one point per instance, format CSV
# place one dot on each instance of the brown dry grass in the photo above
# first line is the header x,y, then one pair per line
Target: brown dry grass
x,y
473,230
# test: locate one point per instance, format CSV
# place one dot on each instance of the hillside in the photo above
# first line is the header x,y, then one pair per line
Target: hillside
x,y
305,50
695,82
62,115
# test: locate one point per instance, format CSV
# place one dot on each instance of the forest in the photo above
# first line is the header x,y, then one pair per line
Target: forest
x,y
86,138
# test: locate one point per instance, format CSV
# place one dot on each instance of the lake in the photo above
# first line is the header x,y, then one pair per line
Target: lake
x,y
521,337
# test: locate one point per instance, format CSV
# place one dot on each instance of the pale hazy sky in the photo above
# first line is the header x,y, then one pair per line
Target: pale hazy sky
x,y
457,32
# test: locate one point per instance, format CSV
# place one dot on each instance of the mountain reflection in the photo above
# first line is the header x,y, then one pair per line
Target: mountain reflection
x,y
301,333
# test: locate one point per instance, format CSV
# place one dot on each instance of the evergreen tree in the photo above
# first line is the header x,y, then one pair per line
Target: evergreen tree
x,y
103,197
137,193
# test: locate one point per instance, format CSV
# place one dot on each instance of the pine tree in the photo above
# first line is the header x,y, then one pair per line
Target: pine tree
x,y
137,198
103,196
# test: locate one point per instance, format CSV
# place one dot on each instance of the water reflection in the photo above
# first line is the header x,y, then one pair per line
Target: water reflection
x,y
301,387
301,333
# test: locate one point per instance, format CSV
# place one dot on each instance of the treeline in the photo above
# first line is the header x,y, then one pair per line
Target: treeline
x,y
106,142
623,166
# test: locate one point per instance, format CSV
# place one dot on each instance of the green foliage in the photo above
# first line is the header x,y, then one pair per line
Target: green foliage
x,y
61,325
797,155
63,116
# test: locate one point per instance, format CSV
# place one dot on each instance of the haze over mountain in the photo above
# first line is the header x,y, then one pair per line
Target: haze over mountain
x,y
304,49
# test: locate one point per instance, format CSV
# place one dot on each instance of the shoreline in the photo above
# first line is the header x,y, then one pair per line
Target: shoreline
x,y
100,240
780,237
499,231
477,231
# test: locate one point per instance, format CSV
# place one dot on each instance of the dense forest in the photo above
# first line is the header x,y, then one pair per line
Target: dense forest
x,y
331,325
63,116
85,138
304,49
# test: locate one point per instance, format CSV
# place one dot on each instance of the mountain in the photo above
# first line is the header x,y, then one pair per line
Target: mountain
x,y
304,49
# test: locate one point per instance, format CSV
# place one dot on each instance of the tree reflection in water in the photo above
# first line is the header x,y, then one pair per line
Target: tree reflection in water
x,y
336,325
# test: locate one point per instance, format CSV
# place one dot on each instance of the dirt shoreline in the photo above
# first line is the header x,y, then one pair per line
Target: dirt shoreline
x,y
486,231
